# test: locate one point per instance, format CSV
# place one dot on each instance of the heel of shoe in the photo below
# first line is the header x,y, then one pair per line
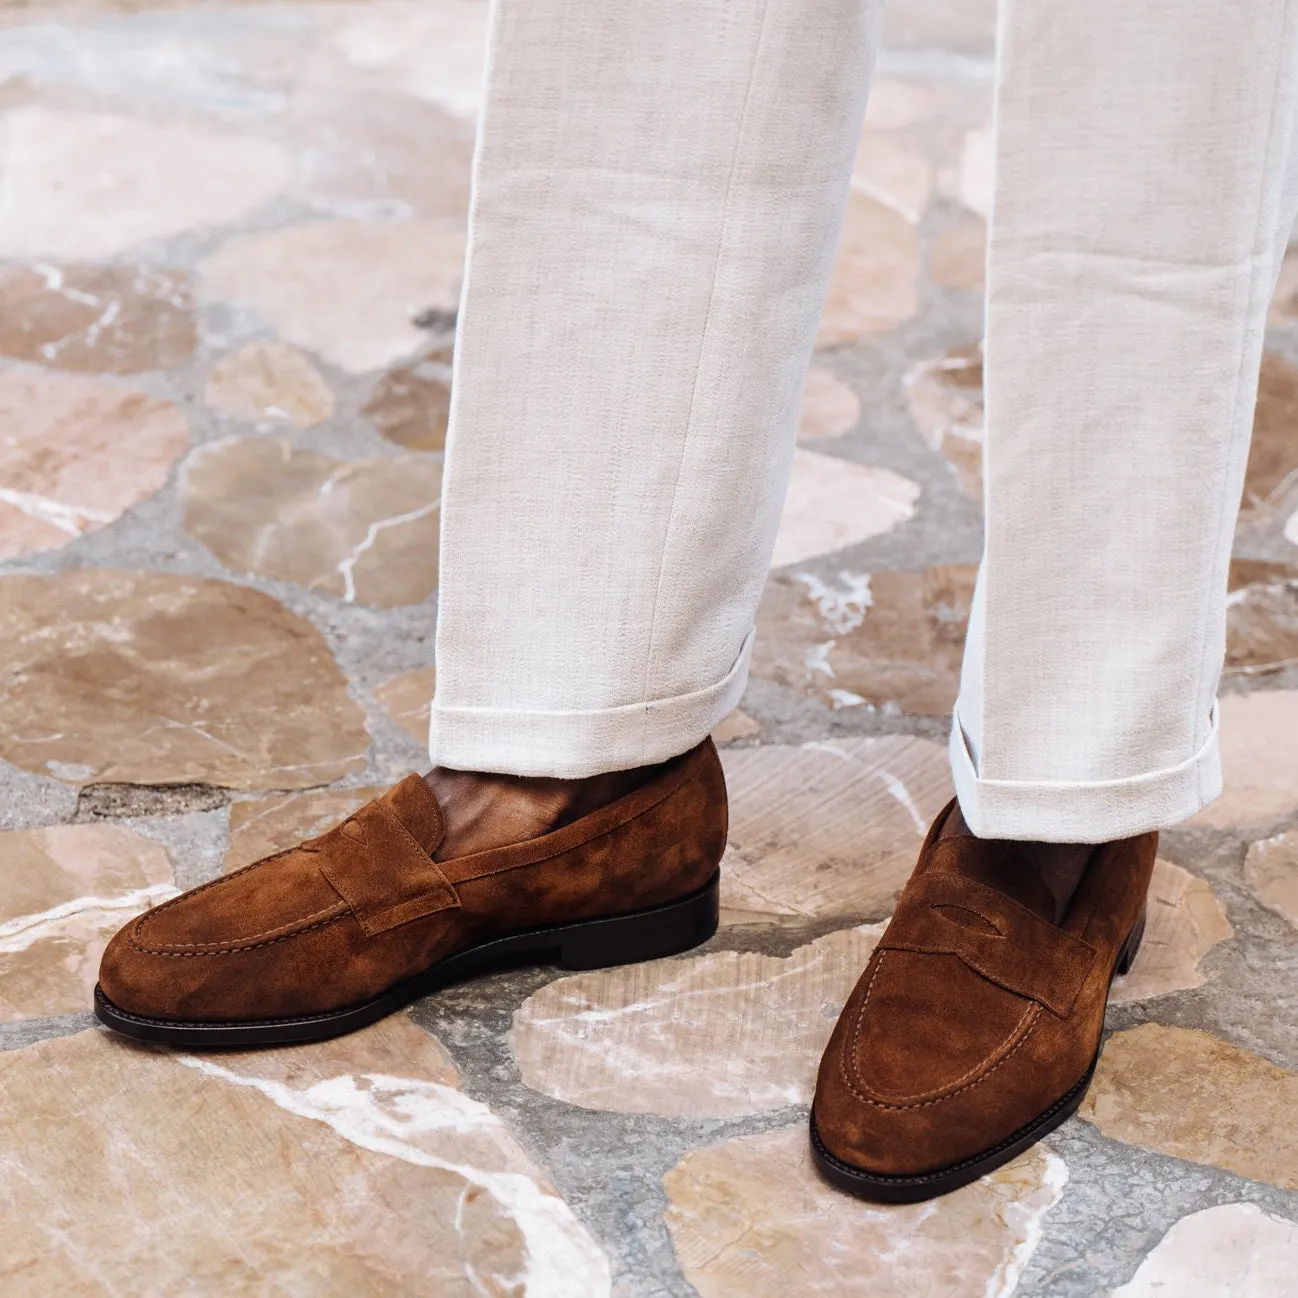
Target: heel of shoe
x,y
643,935
1127,956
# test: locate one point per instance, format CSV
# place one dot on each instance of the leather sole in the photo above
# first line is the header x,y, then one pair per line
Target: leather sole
x,y
588,944
880,1188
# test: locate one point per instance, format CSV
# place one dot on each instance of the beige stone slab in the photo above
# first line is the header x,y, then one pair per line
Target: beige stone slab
x,y
967,26
829,407
360,316
945,400
833,503
102,319
1235,1250
827,829
412,403
738,725
87,186
64,891
77,452
267,380
891,170
977,169
350,1168
1259,756
1271,476
750,1218
958,257
380,147
158,678
1184,922
896,103
432,52
262,826
1271,873
1261,618
888,640
873,286
1284,305
365,531
407,699
1190,1095
711,1036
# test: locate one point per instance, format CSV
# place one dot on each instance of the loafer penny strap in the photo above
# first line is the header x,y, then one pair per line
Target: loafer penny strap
x,y
996,937
374,863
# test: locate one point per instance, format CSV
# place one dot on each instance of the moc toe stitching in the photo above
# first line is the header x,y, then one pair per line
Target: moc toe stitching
x,y
849,1065
284,933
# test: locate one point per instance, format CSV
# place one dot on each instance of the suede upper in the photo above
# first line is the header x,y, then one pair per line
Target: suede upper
x,y
975,1014
342,917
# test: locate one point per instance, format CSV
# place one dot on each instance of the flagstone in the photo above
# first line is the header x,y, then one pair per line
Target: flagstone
x,y
1271,873
268,380
1271,477
977,168
896,103
411,404
102,319
1184,922
363,530
1259,757
750,1218
407,700
88,186
383,149
432,52
833,503
1190,1095
888,640
64,891
1284,305
262,826
712,1036
873,286
966,26
738,725
827,829
945,399
352,1167
894,173
360,316
829,407
959,255
1261,618
160,678
1233,1250
78,452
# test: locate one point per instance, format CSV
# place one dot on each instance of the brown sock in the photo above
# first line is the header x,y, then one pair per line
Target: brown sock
x,y
484,810
1041,876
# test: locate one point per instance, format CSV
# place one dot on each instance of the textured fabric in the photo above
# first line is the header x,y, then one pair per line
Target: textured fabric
x,y
1144,196
658,192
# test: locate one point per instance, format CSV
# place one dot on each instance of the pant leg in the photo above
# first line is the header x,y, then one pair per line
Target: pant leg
x,y
659,187
1143,201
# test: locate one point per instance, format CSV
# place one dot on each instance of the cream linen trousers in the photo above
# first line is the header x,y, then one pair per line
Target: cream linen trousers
x,y
658,193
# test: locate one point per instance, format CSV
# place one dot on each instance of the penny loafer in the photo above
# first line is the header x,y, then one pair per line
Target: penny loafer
x,y
347,927
976,1025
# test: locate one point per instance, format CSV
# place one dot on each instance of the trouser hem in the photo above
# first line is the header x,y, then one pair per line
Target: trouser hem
x,y
574,744
1084,811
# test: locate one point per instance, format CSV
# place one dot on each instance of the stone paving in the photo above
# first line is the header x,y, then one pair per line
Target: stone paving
x,y
230,246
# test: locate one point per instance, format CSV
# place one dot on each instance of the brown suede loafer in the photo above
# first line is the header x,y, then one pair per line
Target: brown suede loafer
x,y
976,1025
347,927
